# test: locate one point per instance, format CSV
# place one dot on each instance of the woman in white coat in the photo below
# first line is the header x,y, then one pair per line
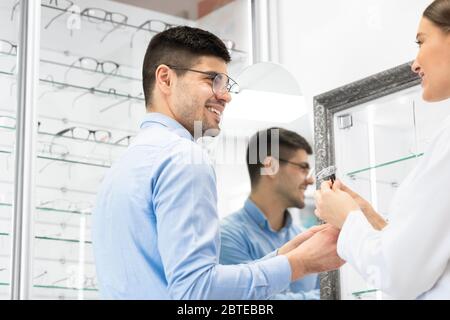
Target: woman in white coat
x,y
409,257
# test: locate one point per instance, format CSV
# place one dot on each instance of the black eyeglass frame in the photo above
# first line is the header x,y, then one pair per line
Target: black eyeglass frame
x,y
13,47
93,132
304,166
212,75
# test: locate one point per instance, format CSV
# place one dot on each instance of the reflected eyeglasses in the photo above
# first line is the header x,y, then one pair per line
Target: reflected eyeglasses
x,y
304,166
84,134
221,83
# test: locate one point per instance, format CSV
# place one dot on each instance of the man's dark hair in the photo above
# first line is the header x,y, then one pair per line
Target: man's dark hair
x,y
179,46
261,144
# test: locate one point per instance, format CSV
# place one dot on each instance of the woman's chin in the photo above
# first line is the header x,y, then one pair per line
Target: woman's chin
x,y
429,96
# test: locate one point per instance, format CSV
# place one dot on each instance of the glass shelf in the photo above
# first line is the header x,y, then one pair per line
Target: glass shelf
x,y
67,160
413,156
3,204
71,138
55,287
51,238
63,189
69,66
92,90
370,293
126,25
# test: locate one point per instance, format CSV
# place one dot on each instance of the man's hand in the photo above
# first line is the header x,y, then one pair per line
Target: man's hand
x,y
316,254
300,238
333,205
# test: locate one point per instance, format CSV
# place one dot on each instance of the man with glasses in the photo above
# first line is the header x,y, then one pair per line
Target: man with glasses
x,y
155,224
264,224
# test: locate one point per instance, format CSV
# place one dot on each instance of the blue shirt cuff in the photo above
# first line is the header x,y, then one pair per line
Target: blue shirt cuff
x,y
279,273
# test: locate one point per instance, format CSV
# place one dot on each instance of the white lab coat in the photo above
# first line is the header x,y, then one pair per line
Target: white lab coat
x,y
410,257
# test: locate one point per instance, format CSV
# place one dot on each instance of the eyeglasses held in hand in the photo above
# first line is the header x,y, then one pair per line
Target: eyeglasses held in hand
x,y
84,134
221,83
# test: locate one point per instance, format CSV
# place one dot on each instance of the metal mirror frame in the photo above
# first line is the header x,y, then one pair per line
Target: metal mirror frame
x,y
325,106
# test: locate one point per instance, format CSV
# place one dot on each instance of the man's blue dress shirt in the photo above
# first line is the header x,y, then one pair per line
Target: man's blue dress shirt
x,y
247,236
156,227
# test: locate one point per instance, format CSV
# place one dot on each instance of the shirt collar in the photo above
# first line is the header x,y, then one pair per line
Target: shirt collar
x,y
159,118
258,216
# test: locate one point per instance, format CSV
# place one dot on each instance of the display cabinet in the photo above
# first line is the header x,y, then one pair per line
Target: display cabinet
x,y
373,131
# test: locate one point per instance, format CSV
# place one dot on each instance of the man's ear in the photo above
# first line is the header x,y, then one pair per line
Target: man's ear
x,y
163,79
270,167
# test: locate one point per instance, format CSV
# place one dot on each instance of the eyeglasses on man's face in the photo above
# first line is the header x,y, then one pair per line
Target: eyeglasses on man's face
x,y
221,83
303,166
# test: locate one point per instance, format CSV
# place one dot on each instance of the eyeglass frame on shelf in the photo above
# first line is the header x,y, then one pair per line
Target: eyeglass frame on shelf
x,y
116,24
65,10
90,131
12,45
98,64
128,137
141,27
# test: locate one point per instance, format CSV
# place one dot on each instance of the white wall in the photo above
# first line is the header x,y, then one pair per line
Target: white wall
x,y
329,43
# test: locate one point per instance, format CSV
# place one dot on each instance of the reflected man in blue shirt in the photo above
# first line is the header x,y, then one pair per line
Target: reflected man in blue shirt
x,y
155,224
264,223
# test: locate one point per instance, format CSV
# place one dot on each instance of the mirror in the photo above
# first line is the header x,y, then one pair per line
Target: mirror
x,y
352,125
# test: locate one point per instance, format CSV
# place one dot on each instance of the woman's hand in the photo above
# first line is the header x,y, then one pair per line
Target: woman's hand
x,y
300,238
333,205
362,203
376,220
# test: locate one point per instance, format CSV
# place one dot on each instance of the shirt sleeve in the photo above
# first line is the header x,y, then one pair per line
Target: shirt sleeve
x,y
233,248
411,253
184,201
